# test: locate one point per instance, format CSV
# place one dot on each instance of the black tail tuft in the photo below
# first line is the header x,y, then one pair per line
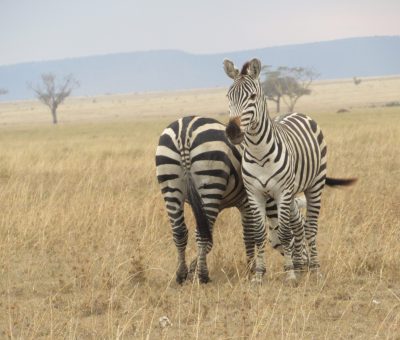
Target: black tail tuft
x,y
336,182
203,225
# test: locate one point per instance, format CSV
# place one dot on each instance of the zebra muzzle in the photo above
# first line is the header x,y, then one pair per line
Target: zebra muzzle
x,y
234,132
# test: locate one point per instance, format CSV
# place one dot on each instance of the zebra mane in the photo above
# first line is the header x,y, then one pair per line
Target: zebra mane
x,y
245,68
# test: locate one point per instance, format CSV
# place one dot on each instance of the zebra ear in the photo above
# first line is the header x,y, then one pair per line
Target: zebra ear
x,y
254,68
230,69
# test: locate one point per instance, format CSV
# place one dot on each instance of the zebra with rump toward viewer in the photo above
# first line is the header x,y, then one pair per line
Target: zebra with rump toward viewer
x,y
196,163
282,157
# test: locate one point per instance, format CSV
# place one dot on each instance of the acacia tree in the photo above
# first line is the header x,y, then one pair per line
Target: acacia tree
x,y
297,82
52,94
288,84
273,86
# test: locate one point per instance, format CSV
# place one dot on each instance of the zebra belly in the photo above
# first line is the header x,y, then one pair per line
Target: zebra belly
x,y
297,187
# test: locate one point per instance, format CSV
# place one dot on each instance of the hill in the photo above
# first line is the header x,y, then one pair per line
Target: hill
x,y
171,70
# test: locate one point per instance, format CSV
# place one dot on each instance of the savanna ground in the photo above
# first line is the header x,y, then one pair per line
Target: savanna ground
x,y
86,249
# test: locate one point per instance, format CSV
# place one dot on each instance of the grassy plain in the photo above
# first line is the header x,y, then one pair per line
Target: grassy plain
x,y
85,245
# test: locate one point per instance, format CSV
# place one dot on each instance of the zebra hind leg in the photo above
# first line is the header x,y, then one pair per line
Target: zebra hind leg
x,y
285,233
301,203
299,255
313,196
203,248
180,236
181,242
193,263
300,261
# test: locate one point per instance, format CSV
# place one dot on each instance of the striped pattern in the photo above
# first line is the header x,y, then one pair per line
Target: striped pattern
x,y
196,163
282,157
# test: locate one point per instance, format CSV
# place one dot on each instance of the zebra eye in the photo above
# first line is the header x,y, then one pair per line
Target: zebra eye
x,y
253,96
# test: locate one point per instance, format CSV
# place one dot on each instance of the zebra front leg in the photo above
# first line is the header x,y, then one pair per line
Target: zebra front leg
x,y
248,229
285,233
256,234
260,268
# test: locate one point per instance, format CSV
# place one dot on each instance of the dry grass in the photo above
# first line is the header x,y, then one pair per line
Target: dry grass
x,y
86,248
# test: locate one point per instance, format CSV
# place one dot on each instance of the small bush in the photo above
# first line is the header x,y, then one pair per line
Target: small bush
x,y
392,104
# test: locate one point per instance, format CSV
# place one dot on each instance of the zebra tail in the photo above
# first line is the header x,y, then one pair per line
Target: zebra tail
x,y
203,225
336,182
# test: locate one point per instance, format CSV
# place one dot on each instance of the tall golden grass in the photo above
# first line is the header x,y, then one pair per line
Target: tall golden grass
x,y
86,248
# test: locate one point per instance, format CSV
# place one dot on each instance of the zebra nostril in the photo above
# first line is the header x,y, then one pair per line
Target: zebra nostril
x,y
232,129
234,132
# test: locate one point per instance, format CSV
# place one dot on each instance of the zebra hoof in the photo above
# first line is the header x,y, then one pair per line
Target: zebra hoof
x,y
181,275
204,279
180,279
291,279
300,270
257,279
314,268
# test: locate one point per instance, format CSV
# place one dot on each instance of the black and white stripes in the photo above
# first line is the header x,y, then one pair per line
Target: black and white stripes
x,y
282,157
195,162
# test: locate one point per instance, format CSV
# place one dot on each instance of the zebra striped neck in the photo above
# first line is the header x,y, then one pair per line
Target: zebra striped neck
x,y
260,137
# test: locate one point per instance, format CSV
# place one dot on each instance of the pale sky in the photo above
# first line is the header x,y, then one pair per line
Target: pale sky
x,y
34,30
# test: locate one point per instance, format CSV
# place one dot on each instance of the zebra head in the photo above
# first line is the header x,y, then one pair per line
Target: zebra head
x,y
244,97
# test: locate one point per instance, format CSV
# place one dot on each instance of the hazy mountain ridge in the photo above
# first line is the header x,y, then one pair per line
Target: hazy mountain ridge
x,y
172,70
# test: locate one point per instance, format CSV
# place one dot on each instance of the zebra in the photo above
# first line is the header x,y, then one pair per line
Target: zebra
x,y
281,158
196,163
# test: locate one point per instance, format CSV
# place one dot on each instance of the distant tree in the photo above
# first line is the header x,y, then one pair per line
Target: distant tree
x,y
272,86
356,80
288,84
297,82
53,95
3,91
